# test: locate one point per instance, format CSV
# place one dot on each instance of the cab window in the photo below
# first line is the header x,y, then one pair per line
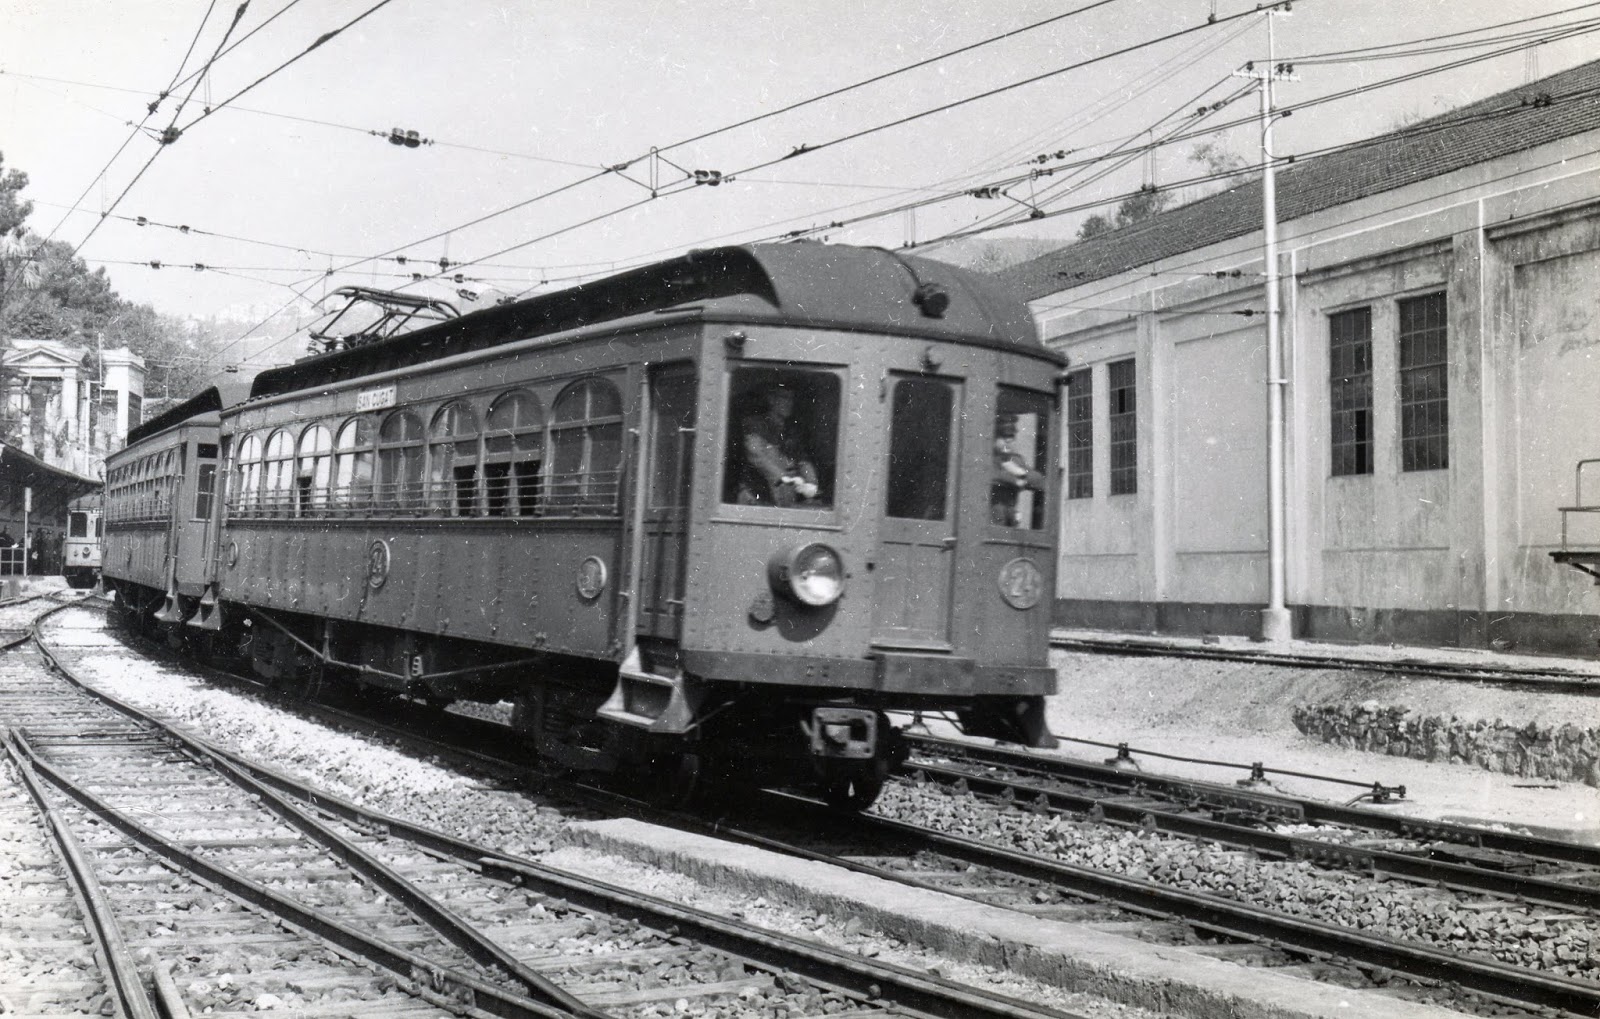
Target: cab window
x,y
783,438
1017,489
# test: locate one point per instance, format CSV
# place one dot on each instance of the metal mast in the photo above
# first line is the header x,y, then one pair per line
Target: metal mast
x,y
1275,620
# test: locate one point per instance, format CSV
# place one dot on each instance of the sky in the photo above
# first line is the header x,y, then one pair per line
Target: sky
x,y
536,123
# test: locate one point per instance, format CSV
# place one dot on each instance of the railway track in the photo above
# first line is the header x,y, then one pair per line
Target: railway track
x,y
319,905
1551,679
1535,892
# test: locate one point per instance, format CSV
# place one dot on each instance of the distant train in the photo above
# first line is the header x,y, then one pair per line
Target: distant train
x,y
81,547
719,515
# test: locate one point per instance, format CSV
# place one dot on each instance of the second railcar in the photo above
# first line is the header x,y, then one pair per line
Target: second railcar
x,y
726,511
81,547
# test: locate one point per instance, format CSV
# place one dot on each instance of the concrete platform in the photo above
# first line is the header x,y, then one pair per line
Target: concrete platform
x,y
1160,978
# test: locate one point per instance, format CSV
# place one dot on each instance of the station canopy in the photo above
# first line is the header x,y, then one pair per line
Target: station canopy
x,y
19,471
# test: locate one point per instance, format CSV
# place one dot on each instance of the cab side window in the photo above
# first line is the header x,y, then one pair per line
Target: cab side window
x,y
782,438
1019,481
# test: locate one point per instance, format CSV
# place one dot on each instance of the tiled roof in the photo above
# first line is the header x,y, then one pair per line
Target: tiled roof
x,y
1509,122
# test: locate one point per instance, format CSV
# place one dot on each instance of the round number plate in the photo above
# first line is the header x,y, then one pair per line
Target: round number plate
x,y
377,564
1021,583
591,578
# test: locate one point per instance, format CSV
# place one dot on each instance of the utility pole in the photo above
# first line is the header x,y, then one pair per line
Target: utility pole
x,y
1275,621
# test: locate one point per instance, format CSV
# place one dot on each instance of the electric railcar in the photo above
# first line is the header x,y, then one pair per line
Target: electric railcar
x,y
720,515
81,547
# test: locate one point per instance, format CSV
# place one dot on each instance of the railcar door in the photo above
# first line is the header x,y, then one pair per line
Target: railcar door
x,y
669,445
915,567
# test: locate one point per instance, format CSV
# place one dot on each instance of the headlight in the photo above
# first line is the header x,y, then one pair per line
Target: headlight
x,y
810,574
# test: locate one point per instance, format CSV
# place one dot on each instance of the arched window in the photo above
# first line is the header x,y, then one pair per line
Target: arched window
x,y
400,461
278,470
314,471
586,449
453,462
352,466
513,455
247,476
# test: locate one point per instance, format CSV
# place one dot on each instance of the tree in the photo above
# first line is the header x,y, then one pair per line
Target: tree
x,y
1136,208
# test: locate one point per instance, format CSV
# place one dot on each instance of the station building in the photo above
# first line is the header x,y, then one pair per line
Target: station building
x,y
62,410
69,406
1440,318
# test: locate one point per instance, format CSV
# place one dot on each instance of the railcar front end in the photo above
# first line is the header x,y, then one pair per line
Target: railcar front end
x,y
728,513
81,549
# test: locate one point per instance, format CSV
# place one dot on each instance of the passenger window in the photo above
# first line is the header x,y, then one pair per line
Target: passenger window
x,y
586,450
1018,487
920,427
279,470
783,434
453,462
400,461
247,480
353,463
315,470
513,454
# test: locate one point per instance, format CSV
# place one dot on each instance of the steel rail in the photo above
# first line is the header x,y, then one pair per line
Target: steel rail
x,y
1455,876
434,914
1231,797
125,984
839,970
1239,920
909,990
436,984
1568,682
430,911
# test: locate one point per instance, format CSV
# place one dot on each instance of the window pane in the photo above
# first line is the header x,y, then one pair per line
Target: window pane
x,y
1350,391
1018,489
920,424
586,450
1424,384
1122,428
782,438
1080,434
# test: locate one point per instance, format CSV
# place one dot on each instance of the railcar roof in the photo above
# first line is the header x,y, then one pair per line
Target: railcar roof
x,y
212,398
866,290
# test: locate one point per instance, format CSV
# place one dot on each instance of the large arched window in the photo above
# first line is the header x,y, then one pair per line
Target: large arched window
x,y
513,455
453,461
314,471
278,470
586,449
247,475
352,463
400,461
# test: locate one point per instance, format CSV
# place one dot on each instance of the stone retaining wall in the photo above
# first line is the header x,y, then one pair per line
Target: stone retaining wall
x,y
1566,753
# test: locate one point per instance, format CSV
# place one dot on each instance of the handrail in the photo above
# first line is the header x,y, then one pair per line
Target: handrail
x,y
1579,506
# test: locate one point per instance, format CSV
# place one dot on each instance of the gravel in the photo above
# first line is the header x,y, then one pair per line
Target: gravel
x,y
1508,932
391,781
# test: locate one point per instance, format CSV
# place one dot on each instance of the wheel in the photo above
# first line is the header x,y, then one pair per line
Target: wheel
x,y
676,779
853,793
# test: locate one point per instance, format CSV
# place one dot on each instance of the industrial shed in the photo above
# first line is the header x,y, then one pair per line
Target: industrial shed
x,y
1439,298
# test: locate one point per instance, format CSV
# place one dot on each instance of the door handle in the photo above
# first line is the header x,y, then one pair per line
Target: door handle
x,y
949,542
